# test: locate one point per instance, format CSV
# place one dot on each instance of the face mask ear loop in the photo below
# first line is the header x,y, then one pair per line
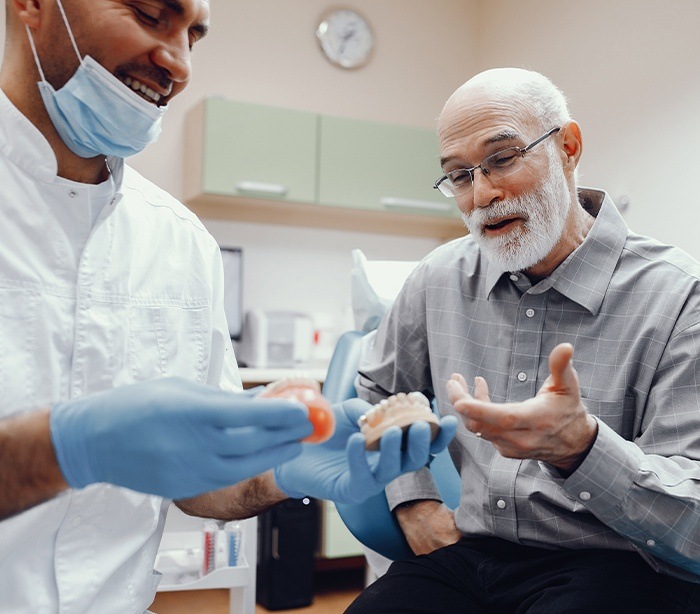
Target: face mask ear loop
x,y
70,32
36,55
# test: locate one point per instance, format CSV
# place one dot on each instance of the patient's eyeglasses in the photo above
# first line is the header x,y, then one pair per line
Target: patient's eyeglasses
x,y
496,166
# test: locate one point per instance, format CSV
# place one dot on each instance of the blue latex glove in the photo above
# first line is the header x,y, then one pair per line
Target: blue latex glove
x,y
342,470
173,438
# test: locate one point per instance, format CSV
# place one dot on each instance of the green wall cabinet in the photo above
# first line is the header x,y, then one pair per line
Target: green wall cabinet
x,y
371,165
265,164
255,150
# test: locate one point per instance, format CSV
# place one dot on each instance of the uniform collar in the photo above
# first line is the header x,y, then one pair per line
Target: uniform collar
x,y
24,145
585,275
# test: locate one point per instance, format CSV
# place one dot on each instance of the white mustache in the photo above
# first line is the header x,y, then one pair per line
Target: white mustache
x,y
478,218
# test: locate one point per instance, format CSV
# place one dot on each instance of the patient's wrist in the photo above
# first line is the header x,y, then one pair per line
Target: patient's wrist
x,y
407,509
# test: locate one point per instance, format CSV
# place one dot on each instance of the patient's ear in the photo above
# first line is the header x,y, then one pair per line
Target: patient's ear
x,y
572,145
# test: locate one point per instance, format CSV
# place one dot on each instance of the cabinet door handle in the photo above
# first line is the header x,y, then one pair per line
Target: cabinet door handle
x,y
394,202
259,187
275,543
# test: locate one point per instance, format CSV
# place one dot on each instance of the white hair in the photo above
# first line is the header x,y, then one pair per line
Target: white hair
x,y
532,91
545,100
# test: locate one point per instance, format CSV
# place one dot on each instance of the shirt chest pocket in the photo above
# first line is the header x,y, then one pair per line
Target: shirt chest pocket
x,y
20,335
167,341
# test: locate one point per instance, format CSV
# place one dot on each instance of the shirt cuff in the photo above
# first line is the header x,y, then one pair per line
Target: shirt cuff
x,y
412,486
605,477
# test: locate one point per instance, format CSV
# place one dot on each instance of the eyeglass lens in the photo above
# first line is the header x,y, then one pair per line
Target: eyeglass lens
x,y
498,165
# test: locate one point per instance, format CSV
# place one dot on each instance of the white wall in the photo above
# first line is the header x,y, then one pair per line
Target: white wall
x,y
631,71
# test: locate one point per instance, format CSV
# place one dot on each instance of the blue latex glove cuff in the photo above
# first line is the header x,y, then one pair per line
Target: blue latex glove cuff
x,y
288,492
77,470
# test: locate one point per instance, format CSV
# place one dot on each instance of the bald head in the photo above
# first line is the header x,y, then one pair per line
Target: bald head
x,y
527,94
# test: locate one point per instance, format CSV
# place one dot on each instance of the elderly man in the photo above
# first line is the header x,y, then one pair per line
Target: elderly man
x,y
117,375
580,491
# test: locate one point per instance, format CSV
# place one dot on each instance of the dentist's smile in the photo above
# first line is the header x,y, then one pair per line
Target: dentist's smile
x,y
142,89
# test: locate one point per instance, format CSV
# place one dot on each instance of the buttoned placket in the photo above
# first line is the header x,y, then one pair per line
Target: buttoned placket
x,y
522,385
77,528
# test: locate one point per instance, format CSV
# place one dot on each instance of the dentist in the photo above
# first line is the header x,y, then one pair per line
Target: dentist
x,y
117,375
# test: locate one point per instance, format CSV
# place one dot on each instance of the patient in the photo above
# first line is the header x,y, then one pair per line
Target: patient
x,y
580,487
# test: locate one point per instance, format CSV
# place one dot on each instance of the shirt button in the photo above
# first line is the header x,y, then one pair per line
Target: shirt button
x,y
77,521
514,277
501,504
530,313
585,496
651,543
522,376
72,193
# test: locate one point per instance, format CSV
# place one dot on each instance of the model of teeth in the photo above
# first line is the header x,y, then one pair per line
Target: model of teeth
x,y
308,392
137,86
400,410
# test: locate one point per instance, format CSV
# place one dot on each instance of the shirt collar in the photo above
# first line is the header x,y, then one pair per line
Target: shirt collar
x,y
585,275
24,144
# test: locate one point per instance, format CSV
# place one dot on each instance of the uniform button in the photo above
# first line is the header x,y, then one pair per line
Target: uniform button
x,y
585,496
501,504
72,193
530,313
651,543
77,521
522,376
514,277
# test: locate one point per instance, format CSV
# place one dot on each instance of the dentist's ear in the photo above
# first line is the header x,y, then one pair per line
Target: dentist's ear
x,y
28,11
572,145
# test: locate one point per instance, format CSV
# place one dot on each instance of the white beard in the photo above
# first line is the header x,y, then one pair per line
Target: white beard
x,y
544,210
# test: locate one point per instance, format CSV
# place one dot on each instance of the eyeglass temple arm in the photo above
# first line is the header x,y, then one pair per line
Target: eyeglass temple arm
x,y
546,135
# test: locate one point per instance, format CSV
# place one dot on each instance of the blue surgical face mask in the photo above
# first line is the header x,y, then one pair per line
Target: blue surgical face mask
x,y
95,113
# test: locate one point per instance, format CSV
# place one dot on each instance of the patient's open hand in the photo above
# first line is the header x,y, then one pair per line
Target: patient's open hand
x,y
554,426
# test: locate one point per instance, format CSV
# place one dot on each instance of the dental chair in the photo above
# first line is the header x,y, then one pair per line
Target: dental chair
x,y
371,522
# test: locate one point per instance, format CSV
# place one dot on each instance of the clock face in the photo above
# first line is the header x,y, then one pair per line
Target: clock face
x,y
346,38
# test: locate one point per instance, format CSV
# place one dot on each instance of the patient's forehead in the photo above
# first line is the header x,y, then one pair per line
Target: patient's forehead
x,y
485,113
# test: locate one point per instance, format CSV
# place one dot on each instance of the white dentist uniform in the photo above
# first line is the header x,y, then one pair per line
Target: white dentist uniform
x,y
99,286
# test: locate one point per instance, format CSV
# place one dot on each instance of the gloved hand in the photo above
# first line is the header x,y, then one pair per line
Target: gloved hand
x,y
173,438
342,470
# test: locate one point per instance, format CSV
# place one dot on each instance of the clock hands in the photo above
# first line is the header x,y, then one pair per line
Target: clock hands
x,y
346,36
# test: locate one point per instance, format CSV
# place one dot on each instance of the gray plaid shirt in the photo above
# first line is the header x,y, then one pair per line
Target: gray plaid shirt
x,y
631,308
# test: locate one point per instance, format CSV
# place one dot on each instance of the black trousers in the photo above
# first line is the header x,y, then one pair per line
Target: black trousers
x,y
494,576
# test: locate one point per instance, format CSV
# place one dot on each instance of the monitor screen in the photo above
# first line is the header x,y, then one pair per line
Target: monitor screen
x,y
233,289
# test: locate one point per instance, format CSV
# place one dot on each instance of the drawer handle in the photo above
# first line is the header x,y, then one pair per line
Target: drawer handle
x,y
393,202
258,187
275,543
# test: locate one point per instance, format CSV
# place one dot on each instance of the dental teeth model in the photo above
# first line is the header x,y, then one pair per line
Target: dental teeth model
x,y
398,410
308,392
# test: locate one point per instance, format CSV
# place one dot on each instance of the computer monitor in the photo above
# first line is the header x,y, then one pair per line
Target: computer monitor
x,y
233,289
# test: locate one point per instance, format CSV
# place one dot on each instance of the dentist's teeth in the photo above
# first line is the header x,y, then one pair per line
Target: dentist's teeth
x,y
137,86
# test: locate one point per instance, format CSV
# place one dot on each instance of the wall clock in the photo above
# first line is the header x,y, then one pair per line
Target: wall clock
x,y
345,37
